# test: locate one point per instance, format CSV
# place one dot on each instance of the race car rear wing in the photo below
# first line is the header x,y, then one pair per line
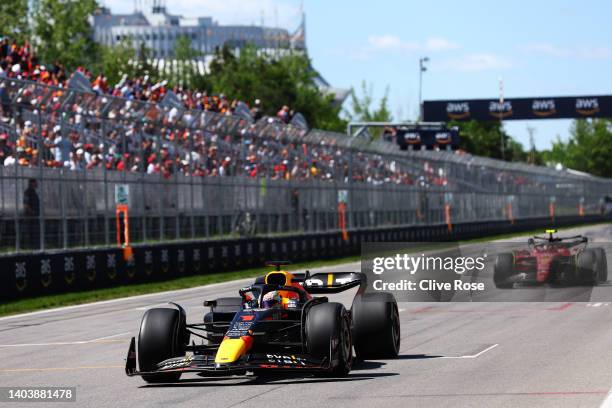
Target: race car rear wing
x,y
334,282
551,238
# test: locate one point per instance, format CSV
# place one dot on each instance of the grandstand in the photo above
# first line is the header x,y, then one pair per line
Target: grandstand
x,y
197,164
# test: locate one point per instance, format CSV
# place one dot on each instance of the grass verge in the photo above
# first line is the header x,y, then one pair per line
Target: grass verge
x,y
75,298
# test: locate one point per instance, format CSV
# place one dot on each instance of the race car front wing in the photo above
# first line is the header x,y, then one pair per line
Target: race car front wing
x,y
205,363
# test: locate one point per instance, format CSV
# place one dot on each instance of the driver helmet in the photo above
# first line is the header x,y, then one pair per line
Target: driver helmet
x,y
272,299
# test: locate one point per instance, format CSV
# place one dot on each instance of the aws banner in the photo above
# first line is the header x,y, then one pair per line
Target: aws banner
x,y
429,137
575,107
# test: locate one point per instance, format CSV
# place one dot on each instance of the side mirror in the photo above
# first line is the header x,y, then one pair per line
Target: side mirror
x,y
530,242
585,239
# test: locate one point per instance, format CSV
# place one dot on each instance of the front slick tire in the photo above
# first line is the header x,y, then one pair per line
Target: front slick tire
x,y
160,338
328,328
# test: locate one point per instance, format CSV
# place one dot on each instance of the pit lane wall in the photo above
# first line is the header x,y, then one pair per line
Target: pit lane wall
x,y
37,274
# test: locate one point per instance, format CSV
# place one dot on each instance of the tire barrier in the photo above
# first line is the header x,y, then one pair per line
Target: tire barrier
x,y
44,273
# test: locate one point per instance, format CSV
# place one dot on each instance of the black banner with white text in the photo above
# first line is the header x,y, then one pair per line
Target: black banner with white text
x,y
574,107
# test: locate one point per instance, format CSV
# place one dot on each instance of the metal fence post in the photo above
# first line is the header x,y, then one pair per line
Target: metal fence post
x,y
162,223
143,181
41,211
17,218
63,210
104,159
177,219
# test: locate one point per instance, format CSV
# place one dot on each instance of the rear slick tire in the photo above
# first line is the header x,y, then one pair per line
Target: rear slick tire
x,y
602,265
376,326
502,271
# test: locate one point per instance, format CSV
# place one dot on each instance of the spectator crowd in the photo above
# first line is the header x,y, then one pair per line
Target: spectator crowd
x,y
195,134
18,61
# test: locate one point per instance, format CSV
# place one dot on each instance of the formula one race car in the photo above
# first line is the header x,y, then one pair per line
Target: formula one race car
x,y
553,260
274,325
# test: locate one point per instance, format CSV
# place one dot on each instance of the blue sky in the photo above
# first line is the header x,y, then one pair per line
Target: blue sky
x,y
538,48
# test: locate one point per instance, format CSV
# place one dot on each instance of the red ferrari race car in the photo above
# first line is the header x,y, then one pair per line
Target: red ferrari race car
x,y
553,260
276,324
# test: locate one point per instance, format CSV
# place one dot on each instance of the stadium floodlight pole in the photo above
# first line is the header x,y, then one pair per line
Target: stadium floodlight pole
x,y
422,68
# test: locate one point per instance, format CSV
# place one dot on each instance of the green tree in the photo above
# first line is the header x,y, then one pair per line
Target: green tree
x,y
318,108
63,33
117,61
186,72
362,109
588,148
361,106
183,50
515,151
14,19
143,63
123,59
288,80
483,138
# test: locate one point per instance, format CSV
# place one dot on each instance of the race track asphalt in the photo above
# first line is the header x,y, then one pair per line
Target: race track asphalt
x,y
464,354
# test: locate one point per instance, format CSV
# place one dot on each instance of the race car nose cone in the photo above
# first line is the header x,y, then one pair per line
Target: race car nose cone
x,y
231,350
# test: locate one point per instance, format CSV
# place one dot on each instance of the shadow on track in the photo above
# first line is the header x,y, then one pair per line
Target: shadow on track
x,y
366,365
264,380
417,357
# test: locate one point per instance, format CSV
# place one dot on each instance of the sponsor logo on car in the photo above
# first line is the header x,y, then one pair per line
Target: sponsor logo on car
x,y
285,359
173,364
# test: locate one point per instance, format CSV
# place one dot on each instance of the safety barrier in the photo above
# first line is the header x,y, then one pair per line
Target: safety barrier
x,y
35,274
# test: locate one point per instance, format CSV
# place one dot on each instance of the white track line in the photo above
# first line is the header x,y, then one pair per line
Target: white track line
x,y
474,355
150,306
607,403
64,343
